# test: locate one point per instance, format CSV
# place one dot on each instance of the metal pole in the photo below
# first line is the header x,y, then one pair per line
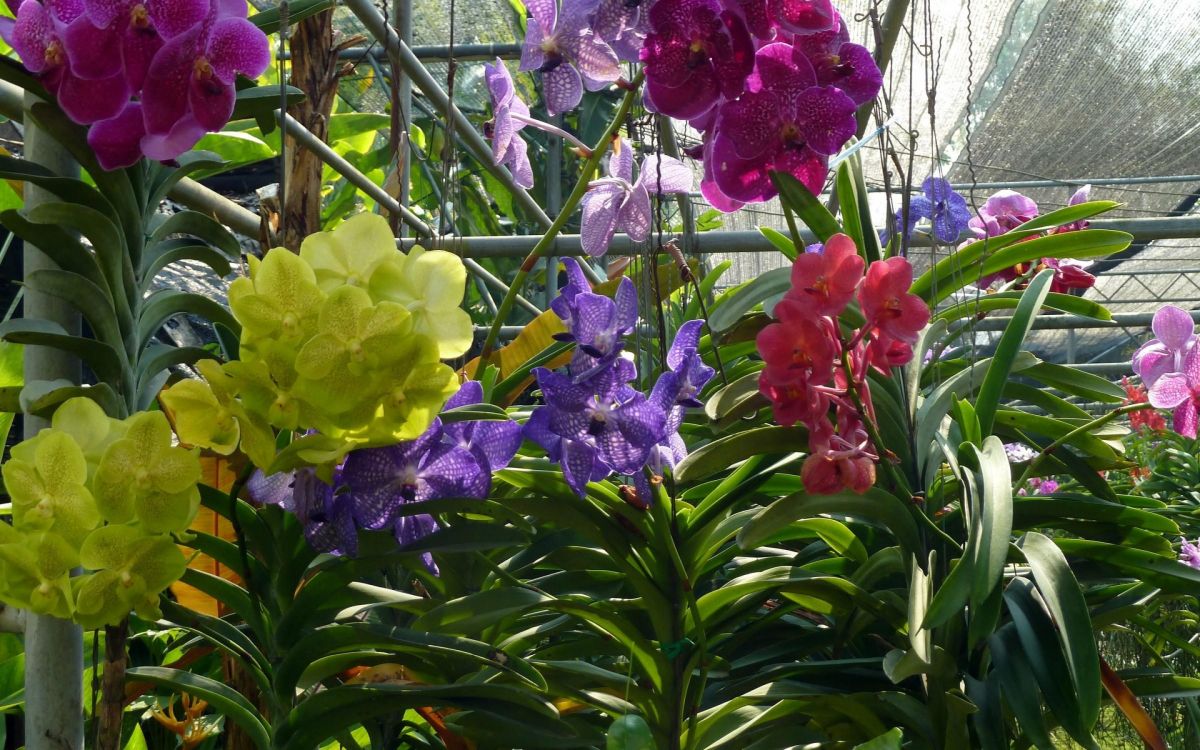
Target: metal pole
x,y
403,57
53,647
403,23
752,241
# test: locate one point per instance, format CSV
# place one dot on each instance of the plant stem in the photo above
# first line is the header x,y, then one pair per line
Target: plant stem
x,y
1082,429
546,243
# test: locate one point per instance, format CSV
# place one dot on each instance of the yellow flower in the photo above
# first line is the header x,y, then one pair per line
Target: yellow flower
x,y
431,284
35,571
207,414
131,569
143,477
349,254
49,492
280,301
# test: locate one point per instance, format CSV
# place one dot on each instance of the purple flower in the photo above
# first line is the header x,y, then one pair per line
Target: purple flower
x,y
122,36
624,25
695,54
596,426
839,62
39,37
803,16
784,122
676,390
189,88
1189,554
1004,211
615,203
564,305
599,327
1175,336
1180,391
507,147
946,210
493,443
560,44
326,515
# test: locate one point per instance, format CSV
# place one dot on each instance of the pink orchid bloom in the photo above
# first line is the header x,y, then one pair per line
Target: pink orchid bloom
x,y
1180,391
823,283
886,303
1174,338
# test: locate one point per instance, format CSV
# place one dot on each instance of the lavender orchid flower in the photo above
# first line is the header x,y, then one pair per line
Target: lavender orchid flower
x,y
327,516
560,44
564,305
803,16
946,210
616,203
784,122
1189,554
507,147
1174,338
695,54
1004,211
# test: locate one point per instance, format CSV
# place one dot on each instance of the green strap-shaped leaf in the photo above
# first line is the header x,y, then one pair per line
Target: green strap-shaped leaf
x,y
223,635
734,303
1008,348
202,227
107,241
1012,668
106,362
89,299
794,195
223,698
1067,303
67,189
993,508
162,179
67,252
724,452
167,303
179,250
158,357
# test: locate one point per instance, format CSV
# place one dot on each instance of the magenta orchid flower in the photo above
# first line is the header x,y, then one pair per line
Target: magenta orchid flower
x,y
784,122
1180,391
803,16
122,36
189,88
616,203
39,37
561,45
696,53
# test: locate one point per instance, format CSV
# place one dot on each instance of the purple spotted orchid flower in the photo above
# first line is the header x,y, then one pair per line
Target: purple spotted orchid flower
x,y
617,203
1004,211
784,122
623,25
946,210
493,443
561,45
839,62
327,516
803,17
598,325
564,305
595,427
695,54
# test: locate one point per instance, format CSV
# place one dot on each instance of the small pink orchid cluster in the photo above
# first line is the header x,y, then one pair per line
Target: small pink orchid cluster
x,y
1005,211
150,77
806,351
773,84
1169,366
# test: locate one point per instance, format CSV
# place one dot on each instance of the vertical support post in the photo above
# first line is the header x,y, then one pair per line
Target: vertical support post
x,y
53,647
403,24
554,164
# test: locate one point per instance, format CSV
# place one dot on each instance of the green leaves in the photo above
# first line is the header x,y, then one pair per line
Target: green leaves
x,y
220,696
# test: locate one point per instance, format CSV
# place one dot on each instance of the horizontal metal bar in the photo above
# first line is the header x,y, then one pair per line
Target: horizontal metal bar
x,y
1075,322
752,241
436,52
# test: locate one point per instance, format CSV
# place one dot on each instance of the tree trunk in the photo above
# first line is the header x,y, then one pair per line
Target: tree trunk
x,y
315,71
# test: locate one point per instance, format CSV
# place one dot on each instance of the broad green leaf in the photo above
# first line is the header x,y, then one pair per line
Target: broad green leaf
x,y
106,362
892,739
781,241
796,196
992,507
731,305
200,226
1008,348
724,452
219,695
